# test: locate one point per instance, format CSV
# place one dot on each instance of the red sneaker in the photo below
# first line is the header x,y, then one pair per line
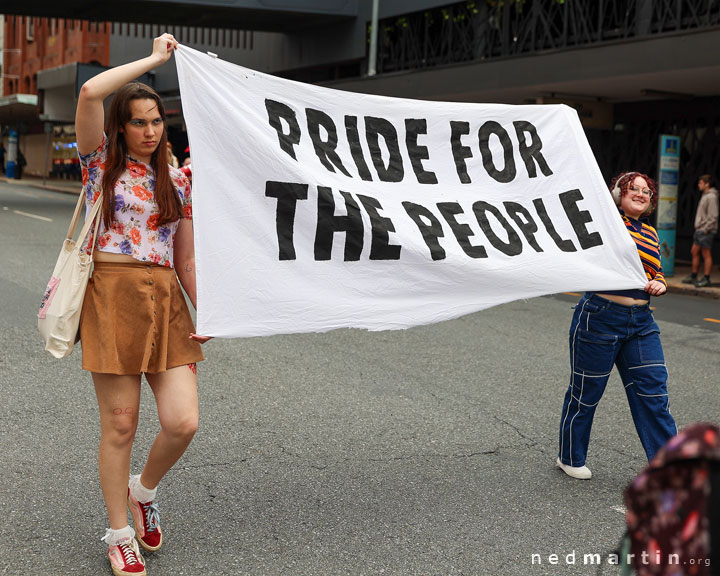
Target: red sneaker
x,y
126,560
146,516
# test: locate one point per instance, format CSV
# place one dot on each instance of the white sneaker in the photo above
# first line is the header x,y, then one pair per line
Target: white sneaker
x,y
579,472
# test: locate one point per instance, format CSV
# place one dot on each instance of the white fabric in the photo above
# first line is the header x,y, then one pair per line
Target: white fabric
x,y
245,288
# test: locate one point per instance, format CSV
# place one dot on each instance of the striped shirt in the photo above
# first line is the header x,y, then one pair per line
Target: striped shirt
x,y
648,246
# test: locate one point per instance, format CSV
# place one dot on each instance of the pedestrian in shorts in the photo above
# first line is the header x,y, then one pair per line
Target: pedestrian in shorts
x,y
706,226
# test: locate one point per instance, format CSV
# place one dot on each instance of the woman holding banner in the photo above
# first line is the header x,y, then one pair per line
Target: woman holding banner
x,y
134,317
617,327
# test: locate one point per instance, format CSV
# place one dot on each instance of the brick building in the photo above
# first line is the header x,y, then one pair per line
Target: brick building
x,y
46,60
33,44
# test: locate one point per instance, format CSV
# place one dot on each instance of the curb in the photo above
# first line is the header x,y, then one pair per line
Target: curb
x,y
48,186
713,293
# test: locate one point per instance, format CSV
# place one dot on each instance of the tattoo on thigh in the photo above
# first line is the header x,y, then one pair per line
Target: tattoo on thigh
x,y
193,368
120,411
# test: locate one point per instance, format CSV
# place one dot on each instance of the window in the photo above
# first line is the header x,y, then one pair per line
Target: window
x,y
30,29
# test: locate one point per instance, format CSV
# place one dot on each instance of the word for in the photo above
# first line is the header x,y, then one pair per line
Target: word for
x,y
323,134
517,220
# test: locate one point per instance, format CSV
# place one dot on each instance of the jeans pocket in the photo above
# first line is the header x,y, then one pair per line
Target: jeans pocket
x,y
649,347
594,352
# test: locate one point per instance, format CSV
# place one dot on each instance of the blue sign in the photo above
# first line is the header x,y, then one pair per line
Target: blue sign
x,y
670,146
668,179
11,164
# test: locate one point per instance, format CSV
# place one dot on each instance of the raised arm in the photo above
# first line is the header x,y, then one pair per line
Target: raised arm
x,y
90,115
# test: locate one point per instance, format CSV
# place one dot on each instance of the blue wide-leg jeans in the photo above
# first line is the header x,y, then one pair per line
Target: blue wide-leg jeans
x,y
603,333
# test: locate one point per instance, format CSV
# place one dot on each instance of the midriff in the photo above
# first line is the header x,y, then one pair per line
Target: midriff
x,y
624,300
117,258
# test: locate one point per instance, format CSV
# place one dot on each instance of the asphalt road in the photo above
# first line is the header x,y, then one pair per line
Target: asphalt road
x,y
428,451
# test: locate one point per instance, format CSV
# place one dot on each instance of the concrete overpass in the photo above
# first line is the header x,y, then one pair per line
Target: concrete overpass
x,y
263,15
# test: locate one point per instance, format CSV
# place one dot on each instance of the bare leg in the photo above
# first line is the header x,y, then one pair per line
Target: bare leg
x,y
118,400
177,403
707,258
695,253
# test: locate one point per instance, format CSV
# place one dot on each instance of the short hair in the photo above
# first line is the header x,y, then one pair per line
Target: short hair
x,y
706,178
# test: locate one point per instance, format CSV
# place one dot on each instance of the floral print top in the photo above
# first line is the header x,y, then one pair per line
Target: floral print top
x,y
135,231
669,506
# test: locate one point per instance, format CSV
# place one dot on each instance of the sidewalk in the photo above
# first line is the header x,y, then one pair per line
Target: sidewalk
x,y
682,269
54,184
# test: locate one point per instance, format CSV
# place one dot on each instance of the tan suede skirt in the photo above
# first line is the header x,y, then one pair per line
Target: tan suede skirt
x,y
135,320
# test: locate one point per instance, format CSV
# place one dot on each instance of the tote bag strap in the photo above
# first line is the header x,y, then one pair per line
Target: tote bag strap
x,y
92,219
76,215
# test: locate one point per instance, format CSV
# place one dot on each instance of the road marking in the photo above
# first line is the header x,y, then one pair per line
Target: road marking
x,y
19,213
26,193
620,509
712,320
35,194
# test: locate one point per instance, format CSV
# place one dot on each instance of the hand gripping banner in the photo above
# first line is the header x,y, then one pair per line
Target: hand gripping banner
x,y
318,209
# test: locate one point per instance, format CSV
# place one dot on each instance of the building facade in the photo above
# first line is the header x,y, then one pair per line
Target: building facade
x,y
33,44
46,61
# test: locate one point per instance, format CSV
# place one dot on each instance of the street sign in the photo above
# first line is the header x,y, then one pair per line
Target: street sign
x,y
668,178
12,155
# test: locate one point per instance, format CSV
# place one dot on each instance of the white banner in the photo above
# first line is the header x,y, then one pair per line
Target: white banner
x,y
318,209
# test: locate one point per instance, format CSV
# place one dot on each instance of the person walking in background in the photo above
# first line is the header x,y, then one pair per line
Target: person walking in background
x,y
617,327
134,318
706,226
21,163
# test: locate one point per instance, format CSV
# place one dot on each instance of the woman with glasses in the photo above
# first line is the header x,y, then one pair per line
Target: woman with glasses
x,y
616,327
134,318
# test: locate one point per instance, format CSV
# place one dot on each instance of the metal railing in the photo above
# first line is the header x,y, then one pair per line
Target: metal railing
x,y
487,29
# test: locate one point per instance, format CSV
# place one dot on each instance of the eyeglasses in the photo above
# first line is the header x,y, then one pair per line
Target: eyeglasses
x,y
645,191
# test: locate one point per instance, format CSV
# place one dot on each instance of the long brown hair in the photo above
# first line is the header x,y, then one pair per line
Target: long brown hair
x,y
166,197
620,185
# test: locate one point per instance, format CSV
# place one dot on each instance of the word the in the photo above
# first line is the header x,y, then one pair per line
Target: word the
x,y
517,220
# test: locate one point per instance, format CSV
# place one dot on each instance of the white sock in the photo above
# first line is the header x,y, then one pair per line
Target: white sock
x,y
113,537
139,492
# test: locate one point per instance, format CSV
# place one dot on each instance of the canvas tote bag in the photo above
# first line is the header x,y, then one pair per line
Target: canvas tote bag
x,y
59,314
